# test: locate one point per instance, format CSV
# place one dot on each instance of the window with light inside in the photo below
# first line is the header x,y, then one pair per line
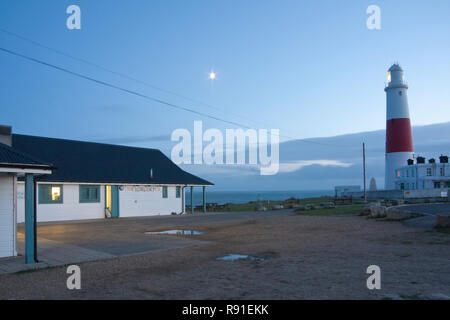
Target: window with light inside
x,y
50,194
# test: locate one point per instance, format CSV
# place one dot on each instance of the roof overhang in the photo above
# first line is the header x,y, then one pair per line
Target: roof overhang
x,y
20,168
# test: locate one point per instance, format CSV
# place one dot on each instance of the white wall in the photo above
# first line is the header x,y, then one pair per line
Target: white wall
x,y
70,209
7,219
139,201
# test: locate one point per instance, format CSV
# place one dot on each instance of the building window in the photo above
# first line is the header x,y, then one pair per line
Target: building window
x,y
407,173
398,173
89,194
442,171
413,173
437,185
429,172
50,193
164,192
412,186
178,192
402,186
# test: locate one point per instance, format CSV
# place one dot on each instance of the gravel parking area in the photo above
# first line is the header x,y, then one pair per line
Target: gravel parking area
x,y
299,257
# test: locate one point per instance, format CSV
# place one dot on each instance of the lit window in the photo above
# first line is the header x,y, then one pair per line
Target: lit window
x,y
50,194
389,77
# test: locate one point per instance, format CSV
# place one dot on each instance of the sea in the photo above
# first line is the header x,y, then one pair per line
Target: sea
x,y
238,197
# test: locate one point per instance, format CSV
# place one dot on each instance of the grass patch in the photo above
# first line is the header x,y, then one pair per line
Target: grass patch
x,y
250,206
339,211
410,297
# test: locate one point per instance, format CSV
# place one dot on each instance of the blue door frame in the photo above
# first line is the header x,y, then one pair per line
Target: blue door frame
x,y
114,194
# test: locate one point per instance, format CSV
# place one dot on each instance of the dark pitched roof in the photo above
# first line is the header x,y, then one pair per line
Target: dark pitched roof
x,y
88,162
13,158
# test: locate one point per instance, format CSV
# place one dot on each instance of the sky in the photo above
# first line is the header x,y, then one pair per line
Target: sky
x,y
308,68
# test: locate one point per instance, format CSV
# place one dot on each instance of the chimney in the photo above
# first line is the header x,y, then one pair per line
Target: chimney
x,y
432,160
420,160
5,135
443,159
410,162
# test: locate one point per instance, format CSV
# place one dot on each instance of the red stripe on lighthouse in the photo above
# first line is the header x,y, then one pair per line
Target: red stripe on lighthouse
x,y
399,136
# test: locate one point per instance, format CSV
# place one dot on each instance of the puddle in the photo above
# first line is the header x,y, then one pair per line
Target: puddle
x,y
177,232
235,257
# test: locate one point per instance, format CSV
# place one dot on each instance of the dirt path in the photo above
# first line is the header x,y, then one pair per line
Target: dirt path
x,y
304,258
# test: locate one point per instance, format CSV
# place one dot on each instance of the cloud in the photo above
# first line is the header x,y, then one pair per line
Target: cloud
x,y
136,139
293,166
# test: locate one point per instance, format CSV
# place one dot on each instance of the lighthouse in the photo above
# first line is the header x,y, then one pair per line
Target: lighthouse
x,y
399,142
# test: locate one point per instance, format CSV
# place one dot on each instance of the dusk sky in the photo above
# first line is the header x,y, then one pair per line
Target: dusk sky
x,y
308,68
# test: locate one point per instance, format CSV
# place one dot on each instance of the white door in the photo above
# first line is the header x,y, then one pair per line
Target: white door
x,y
7,216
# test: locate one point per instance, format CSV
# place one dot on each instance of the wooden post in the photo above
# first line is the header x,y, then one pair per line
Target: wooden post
x,y
364,170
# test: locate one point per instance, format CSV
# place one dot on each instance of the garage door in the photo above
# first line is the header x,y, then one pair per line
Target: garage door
x,y
6,216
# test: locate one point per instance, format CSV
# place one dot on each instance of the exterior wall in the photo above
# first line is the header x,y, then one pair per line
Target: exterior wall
x,y
394,161
70,209
7,216
140,201
415,177
134,201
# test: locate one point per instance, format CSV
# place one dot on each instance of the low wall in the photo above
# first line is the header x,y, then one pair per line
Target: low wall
x,y
378,195
427,193
401,194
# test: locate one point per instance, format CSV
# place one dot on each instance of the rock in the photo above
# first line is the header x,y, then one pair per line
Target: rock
x,y
260,208
366,210
442,221
378,211
397,202
397,214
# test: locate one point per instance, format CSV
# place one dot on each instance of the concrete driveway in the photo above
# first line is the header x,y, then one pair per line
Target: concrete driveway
x,y
80,241
431,209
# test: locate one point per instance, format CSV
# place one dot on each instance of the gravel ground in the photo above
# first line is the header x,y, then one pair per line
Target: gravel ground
x,y
305,257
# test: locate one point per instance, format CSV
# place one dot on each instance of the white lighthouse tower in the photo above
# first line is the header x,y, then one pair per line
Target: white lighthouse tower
x,y
399,142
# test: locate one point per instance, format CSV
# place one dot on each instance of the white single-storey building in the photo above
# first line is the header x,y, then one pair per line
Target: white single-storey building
x,y
422,175
46,179
14,164
95,180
